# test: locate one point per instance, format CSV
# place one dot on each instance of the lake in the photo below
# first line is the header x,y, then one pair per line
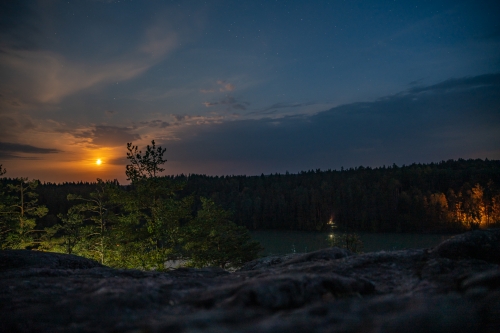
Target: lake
x,y
283,242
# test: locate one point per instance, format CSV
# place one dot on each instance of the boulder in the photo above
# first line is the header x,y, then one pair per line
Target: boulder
x,y
478,244
25,259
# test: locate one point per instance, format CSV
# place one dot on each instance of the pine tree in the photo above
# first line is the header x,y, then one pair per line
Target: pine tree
x,y
213,240
20,210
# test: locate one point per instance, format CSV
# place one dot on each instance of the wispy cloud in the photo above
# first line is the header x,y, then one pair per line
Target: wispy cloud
x,y
230,103
155,123
187,120
42,76
279,110
275,107
207,91
108,136
455,85
13,125
225,86
46,77
452,119
13,150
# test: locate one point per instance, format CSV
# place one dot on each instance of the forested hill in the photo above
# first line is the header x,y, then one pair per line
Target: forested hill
x,y
438,197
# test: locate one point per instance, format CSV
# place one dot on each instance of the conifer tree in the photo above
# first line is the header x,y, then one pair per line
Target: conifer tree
x,y
87,228
5,226
213,240
66,235
19,214
152,214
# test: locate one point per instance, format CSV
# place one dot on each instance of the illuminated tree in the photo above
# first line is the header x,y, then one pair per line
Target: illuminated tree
x,y
474,208
64,236
213,240
87,227
495,210
20,213
151,213
5,226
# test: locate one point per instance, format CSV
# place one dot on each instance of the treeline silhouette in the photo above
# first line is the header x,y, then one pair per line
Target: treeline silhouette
x,y
449,196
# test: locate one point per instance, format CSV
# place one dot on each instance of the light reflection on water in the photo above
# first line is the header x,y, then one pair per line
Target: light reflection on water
x,y
283,242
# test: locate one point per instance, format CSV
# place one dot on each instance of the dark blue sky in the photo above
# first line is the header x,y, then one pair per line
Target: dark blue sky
x,y
246,87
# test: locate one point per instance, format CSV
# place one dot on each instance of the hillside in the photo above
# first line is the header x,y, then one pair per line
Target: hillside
x,y
453,287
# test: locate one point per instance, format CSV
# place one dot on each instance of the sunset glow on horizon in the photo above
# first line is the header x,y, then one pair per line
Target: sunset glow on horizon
x,y
232,88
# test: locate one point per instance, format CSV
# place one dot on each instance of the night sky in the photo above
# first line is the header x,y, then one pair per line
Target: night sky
x,y
246,87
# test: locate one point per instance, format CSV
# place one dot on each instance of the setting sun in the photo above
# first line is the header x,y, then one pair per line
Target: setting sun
x,y
98,162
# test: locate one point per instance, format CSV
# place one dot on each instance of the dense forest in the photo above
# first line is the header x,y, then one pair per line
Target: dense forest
x,y
201,219
144,225
204,220
449,196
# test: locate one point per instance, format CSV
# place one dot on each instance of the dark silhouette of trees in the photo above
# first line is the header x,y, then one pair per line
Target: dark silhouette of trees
x,y
425,198
144,166
154,215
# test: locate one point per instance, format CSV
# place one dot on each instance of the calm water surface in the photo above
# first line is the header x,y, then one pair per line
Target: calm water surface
x,y
282,242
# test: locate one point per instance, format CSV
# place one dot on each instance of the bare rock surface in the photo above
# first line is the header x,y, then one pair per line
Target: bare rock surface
x,y
454,287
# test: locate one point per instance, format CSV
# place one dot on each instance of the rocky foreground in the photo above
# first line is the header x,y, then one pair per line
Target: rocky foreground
x,y
454,287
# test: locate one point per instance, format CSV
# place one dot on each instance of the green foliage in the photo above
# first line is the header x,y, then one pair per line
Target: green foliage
x,y
138,226
98,210
417,198
63,237
156,219
150,231
213,240
348,241
87,228
19,212
5,221
151,214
